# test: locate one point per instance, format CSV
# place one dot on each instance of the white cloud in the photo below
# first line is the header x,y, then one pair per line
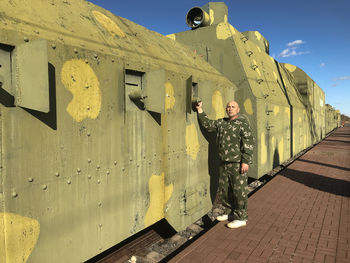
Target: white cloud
x,y
288,52
285,53
342,78
292,49
339,79
322,65
295,43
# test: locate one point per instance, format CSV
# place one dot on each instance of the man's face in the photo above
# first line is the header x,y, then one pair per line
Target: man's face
x,y
232,109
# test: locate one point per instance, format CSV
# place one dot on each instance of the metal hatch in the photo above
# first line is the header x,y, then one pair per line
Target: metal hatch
x,y
30,78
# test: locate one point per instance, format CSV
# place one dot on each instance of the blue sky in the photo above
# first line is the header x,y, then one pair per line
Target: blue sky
x,y
311,34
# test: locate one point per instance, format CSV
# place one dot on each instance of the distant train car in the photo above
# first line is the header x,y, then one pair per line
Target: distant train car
x,y
337,118
329,118
332,118
98,137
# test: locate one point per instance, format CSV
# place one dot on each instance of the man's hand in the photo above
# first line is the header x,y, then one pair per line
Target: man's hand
x,y
244,168
199,107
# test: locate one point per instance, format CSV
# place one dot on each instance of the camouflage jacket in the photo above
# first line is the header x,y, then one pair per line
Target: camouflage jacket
x,y
234,138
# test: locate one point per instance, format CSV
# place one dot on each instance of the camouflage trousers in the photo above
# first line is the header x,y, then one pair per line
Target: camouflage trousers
x,y
233,190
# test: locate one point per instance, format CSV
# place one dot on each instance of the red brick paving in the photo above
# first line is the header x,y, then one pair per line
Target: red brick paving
x,y
301,215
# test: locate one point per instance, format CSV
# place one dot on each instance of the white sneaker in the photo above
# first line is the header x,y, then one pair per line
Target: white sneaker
x,y
222,218
237,223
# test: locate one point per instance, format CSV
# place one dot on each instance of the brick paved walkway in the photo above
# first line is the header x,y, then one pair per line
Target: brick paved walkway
x,y
301,215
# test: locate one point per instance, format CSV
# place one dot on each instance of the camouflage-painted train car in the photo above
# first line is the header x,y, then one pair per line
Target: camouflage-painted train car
x,y
337,118
98,138
285,116
332,118
329,118
313,98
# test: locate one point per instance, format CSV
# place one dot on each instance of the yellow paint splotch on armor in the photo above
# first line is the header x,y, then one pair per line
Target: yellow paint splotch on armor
x,y
263,151
287,111
321,103
276,110
233,30
211,16
290,67
159,196
273,143
108,24
257,69
171,36
272,59
275,76
299,119
259,49
258,35
169,96
248,107
280,149
225,19
18,237
218,105
80,79
192,143
224,31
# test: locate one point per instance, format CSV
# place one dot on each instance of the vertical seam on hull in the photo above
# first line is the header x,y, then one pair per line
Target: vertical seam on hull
x,y
2,199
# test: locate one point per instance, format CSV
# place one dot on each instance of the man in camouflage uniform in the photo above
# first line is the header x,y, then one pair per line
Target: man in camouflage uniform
x,y
235,143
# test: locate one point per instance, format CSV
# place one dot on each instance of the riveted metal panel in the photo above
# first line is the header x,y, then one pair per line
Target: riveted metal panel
x,y
31,75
